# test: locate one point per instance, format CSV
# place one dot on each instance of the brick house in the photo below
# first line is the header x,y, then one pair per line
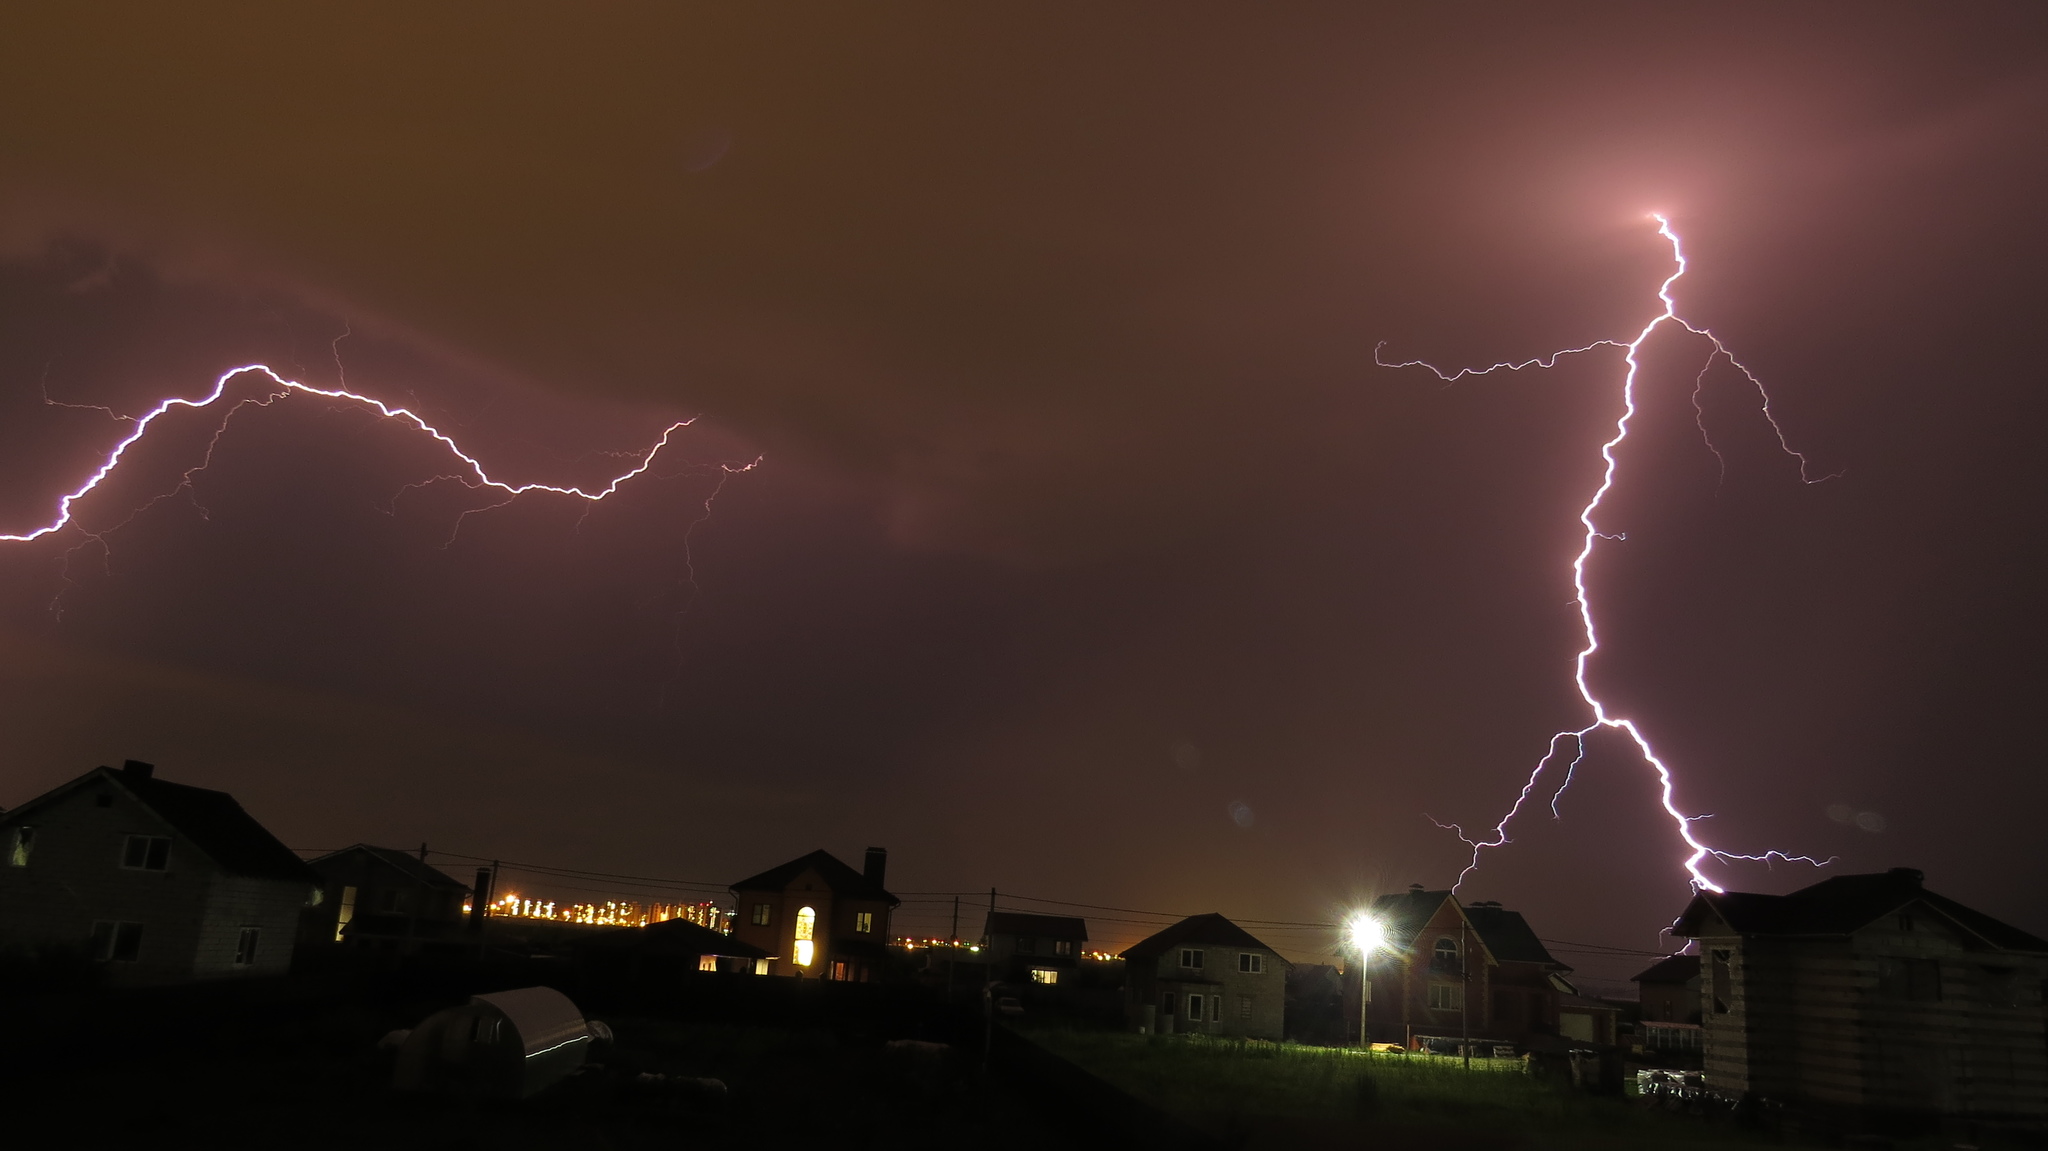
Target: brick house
x,y
815,916
1022,947
1450,971
1870,994
159,882
382,900
1206,976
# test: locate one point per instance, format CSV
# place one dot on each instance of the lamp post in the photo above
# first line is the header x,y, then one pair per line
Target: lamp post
x,y
1368,934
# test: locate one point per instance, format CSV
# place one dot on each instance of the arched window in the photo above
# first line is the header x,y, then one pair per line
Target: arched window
x,y
806,929
1446,954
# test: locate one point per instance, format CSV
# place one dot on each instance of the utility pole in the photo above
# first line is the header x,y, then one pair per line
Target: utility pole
x,y
955,937
1465,994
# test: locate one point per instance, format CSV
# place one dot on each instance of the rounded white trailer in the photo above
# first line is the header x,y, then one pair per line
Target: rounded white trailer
x,y
506,1045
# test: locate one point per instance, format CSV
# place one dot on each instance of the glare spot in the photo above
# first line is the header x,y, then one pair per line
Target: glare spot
x,y
1186,755
1870,821
1240,814
1841,812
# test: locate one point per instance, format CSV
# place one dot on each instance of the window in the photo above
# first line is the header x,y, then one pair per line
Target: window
x,y
245,947
864,921
1912,979
1195,1008
806,929
1026,945
2001,987
1251,963
1244,1007
763,914
707,963
1041,975
839,970
1446,958
1215,1009
1062,947
1446,996
115,942
24,842
1191,958
146,853
1721,981
347,912
1166,1002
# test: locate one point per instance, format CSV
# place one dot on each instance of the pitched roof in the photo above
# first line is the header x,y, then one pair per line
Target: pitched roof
x,y
1508,935
209,820
1210,928
1404,914
1843,904
1047,926
405,862
673,937
840,878
1670,969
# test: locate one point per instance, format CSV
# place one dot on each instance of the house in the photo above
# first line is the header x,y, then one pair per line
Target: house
x,y
1669,992
815,916
1449,972
667,949
1869,994
381,900
160,882
1021,947
1206,976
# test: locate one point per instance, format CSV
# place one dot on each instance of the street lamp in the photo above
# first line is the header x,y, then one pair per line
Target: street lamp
x,y
1368,935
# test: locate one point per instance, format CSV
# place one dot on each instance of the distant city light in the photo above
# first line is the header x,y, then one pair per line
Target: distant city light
x,y
611,913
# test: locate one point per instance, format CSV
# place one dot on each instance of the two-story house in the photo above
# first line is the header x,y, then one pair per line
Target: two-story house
x,y
1044,949
1206,976
1433,977
381,900
1870,995
158,881
815,917
1669,992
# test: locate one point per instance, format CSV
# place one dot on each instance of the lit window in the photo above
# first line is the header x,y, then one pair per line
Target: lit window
x,y
1191,957
839,971
347,912
245,947
115,942
763,914
1063,947
806,930
760,967
1041,975
864,921
1244,1007
1251,963
1446,996
1195,1008
24,842
707,963
146,853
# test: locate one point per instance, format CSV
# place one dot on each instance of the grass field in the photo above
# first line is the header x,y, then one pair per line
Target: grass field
x,y
1274,1093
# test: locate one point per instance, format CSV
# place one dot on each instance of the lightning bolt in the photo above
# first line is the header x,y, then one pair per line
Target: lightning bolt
x,y
1601,717
470,471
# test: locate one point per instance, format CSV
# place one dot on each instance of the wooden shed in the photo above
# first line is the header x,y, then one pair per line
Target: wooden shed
x,y
1870,994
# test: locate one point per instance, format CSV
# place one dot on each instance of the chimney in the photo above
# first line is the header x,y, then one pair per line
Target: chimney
x,y
136,769
877,867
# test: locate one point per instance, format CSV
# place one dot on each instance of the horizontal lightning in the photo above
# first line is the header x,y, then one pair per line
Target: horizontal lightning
x,y
474,474
1698,851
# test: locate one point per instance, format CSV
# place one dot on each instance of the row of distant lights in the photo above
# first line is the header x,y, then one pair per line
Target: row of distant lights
x,y
610,913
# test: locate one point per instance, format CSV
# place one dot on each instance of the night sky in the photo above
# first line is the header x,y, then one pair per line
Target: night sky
x,y
1090,556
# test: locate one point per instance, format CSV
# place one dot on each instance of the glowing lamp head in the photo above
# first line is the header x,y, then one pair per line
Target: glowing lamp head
x,y
1368,934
